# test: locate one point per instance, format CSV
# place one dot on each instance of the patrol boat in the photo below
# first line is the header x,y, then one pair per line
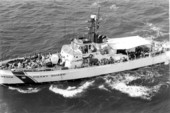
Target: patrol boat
x,y
89,56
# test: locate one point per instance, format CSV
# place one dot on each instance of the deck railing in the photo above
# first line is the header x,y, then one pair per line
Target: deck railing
x,y
115,62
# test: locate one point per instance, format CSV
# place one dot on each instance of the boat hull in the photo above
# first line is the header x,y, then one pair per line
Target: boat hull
x,y
10,78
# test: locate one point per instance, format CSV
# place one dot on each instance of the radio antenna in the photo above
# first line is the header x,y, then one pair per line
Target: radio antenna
x,y
64,23
98,18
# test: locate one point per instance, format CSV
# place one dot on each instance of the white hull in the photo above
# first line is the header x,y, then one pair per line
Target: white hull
x,y
8,77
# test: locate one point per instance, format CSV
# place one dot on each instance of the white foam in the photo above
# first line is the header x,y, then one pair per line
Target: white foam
x,y
114,7
136,91
126,78
103,87
28,90
129,78
71,91
121,84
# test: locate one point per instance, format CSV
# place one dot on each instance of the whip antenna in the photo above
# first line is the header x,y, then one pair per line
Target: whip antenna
x,y
98,18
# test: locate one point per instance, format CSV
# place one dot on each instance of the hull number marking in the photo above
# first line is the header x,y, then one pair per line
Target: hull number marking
x,y
61,74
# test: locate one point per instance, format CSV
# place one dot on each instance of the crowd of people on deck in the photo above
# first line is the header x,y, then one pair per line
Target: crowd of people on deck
x,y
131,55
90,61
39,60
31,62
144,52
138,53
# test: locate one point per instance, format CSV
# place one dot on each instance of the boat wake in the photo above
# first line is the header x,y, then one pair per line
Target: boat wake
x,y
150,30
27,90
71,91
144,83
102,87
133,90
122,83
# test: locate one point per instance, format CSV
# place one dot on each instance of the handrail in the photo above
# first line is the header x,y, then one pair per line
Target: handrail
x,y
52,69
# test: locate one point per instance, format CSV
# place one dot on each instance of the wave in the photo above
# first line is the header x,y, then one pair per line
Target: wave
x,y
31,0
28,90
157,30
136,91
102,87
71,91
120,82
104,3
124,82
150,31
114,7
95,4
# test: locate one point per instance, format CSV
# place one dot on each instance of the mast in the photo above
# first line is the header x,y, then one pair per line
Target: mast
x,y
94,26
98,17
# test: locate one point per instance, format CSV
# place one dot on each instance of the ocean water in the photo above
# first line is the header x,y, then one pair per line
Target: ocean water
x,y
31,26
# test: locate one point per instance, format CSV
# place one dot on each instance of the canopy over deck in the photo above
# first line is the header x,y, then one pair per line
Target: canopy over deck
x,y
128,42
69,49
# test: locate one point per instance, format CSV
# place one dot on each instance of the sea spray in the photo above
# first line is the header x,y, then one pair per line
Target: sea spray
x,y
27,90
102,87
136,91
120,82
71,91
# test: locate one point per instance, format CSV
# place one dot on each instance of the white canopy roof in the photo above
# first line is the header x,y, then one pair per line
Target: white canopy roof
x,y
70,50
128,42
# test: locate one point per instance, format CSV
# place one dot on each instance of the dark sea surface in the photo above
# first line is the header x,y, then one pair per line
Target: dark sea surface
x,y
32,26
